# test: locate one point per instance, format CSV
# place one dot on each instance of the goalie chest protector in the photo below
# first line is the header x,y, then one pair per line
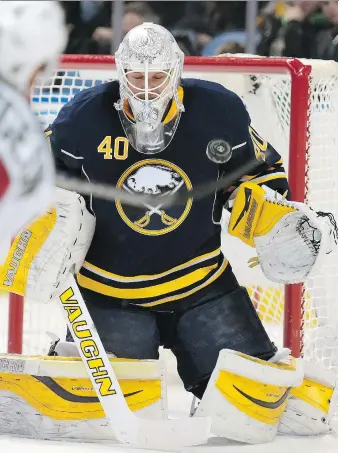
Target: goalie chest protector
x,y
154,256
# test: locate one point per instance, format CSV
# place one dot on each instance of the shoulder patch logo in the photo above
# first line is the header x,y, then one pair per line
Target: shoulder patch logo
x,y
154,177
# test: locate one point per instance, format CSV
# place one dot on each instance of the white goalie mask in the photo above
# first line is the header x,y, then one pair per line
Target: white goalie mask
x,y
149,65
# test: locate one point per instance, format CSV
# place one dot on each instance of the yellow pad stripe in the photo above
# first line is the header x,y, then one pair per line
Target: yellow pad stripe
x,y
317,395
75,399
262,402
289,365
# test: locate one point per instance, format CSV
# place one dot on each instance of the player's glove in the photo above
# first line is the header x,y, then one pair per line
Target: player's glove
x,y
290,238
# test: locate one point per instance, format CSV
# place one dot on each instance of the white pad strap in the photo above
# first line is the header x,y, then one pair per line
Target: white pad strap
x,y
280,355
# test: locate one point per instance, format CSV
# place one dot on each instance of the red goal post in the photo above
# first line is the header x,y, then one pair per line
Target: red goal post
x,y
296,81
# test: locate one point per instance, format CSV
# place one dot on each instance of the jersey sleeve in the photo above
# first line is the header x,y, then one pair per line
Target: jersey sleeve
x,y
248,145
62,135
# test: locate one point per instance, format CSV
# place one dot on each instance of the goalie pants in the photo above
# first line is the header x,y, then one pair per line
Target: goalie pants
x,y
195,336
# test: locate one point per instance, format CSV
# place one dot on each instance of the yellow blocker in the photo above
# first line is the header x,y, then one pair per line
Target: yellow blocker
x,y
44,252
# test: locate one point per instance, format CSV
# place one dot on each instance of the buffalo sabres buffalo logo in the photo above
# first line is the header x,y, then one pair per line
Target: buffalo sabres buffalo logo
x,y
154,177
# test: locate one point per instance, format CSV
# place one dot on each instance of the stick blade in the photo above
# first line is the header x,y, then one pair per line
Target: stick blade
x,y
169,434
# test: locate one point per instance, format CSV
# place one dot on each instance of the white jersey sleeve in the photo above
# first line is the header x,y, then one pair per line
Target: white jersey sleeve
x,y
26,164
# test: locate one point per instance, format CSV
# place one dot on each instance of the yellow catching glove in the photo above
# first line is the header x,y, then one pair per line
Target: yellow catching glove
x,y
289,237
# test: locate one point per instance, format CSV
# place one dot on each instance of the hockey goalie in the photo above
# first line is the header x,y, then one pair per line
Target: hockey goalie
x,y
151,275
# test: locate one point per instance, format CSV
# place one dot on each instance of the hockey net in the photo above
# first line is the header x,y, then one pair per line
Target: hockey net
x,y
293,104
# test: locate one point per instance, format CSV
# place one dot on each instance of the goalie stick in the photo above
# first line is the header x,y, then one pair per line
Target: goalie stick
x,y
107,192
128,428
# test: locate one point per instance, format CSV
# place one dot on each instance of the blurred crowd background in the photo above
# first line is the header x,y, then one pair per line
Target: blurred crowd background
x,y
300,28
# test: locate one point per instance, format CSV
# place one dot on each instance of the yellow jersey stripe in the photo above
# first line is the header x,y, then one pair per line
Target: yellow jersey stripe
x,y
173,111
151,291
190,292
139,278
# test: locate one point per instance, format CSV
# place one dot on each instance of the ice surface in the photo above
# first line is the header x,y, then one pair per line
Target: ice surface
x,y
179,402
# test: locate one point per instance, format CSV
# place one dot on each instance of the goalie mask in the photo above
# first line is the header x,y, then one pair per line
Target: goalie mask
x,y
149,65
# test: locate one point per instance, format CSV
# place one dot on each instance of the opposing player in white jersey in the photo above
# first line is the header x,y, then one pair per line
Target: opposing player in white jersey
x,y
155,275
33,34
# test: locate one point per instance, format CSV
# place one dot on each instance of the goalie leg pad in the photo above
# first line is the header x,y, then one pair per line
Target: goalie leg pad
x,y
308,410
37,400
246,396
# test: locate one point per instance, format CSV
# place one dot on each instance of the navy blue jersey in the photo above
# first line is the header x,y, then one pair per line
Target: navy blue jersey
x,y
155,256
